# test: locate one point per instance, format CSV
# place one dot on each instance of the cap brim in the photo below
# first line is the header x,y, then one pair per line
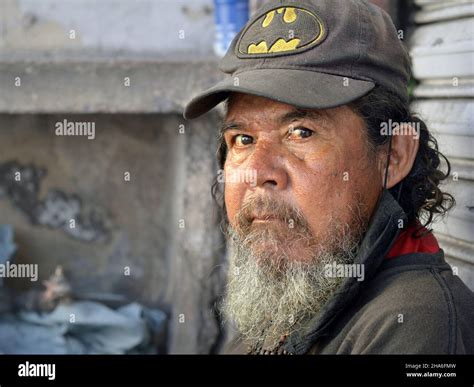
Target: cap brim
x,y
301,88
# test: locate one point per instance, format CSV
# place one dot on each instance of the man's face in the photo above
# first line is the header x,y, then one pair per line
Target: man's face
x,y
319,164
316,186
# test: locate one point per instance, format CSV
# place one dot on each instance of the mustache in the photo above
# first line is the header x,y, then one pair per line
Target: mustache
x,y
270,207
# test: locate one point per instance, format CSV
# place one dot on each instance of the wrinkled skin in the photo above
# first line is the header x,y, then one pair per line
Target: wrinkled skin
x,y
317,164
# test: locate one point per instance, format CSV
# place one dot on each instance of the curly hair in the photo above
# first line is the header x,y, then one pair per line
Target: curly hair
x,y
419,193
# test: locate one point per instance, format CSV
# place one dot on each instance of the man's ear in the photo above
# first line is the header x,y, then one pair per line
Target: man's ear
x,y
405,144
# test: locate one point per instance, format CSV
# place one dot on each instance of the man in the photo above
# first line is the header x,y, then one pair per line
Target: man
x,y
330,250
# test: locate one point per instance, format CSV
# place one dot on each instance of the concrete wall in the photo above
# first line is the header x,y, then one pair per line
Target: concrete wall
x,y
71,28
89,61
161,222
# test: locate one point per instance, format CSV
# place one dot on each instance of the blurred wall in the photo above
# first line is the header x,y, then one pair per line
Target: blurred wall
x,y
128,67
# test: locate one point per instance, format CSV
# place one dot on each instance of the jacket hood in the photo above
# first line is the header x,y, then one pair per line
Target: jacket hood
x,y
381,234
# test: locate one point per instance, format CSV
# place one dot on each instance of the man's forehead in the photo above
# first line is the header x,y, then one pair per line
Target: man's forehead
x,y
242,106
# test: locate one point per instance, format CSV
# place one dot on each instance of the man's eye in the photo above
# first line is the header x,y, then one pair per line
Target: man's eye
x,y
243,140
300,133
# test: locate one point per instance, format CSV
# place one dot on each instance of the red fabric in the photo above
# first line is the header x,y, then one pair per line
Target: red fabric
x,y
406,243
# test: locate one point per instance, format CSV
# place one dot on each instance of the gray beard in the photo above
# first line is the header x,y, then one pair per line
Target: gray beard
x,y
270,294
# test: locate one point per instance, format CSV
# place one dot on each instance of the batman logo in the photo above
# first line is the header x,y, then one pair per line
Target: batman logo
x,y
283,30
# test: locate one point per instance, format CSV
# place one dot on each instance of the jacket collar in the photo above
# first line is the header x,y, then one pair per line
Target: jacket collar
x,y
383,230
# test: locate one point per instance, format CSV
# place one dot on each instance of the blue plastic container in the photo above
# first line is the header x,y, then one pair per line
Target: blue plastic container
x,y
230,17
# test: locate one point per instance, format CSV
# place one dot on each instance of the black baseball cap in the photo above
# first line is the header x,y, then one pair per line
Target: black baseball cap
x,y
312,54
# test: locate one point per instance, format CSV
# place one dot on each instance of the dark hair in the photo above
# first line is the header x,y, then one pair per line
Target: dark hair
x,y
419,193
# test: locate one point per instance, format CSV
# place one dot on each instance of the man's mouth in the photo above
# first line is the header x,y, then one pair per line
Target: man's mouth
x,y
265,218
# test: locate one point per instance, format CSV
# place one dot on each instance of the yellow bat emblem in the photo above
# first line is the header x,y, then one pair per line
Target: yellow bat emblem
x,y
281,30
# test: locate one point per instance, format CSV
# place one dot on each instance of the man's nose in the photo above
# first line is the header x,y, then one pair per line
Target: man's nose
x,y
268,164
